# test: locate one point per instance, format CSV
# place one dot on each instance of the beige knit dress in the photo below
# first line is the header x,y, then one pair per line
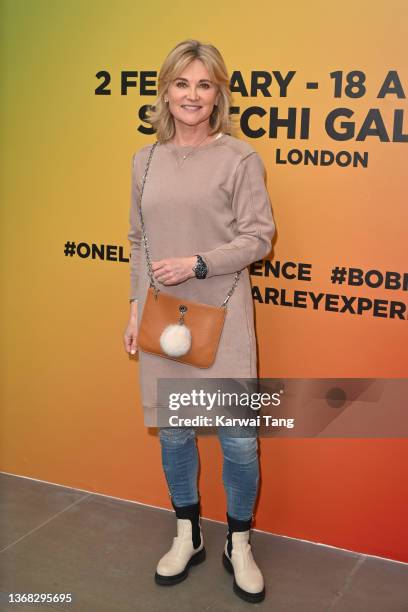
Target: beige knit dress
x,y
213,202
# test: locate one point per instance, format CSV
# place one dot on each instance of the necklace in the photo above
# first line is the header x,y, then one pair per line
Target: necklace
x,y
195,147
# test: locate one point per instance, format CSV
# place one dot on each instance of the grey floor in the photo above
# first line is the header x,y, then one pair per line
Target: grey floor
x,y
104,551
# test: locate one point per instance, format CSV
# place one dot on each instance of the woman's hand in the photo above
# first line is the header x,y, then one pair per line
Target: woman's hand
x,y
130,336
174,270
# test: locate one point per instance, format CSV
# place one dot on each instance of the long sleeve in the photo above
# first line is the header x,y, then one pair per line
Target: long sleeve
x,y
255,225
135,230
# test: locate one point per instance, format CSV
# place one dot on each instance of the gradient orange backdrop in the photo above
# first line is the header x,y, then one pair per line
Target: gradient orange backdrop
x,y
70,403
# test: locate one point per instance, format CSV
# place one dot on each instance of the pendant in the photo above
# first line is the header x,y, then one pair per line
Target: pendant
x,y
175,339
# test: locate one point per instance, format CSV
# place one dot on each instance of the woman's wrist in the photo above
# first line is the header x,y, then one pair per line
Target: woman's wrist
x,y
133,307
193,261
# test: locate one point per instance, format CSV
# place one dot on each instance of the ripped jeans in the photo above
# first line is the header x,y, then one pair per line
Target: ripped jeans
x,y
240,471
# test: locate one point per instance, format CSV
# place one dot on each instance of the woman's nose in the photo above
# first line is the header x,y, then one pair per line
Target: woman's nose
x,y
192,94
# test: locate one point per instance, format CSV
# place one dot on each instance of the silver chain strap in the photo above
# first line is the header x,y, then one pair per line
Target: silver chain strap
x,y
149,263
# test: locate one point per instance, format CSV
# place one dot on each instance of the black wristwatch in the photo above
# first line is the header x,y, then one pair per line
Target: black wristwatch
x,y
200,269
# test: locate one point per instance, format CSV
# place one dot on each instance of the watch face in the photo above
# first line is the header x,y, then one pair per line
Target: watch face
x,y
200,268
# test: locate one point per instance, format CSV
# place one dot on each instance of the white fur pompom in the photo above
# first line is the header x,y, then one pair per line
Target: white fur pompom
x,y
175,340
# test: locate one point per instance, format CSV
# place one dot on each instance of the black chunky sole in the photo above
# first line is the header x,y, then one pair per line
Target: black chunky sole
x,y
197,558
251,597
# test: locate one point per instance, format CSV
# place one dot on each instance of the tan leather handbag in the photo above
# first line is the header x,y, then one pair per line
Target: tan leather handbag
x,y
178,328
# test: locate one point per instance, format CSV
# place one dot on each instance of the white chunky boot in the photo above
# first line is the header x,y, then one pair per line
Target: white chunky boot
x,y
186,550
238,560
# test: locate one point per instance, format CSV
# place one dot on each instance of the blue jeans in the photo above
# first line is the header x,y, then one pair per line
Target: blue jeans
x,y
240,471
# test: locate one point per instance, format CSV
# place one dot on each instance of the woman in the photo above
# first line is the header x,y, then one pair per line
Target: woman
x,y
207,215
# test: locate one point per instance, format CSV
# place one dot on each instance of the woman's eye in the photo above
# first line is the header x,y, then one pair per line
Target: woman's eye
x,y
182,83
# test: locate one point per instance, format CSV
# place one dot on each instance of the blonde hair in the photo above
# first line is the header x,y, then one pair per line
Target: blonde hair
x,y
176,61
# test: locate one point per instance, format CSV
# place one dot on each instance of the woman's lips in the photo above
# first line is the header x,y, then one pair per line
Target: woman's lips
x,y
191,108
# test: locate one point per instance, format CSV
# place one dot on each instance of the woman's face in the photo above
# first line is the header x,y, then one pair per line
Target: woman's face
x,y
192,95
